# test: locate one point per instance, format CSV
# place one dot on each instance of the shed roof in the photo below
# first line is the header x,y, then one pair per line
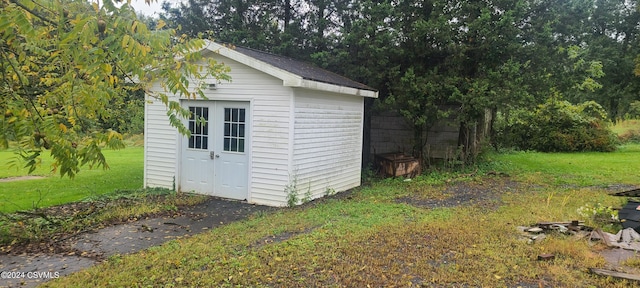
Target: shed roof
x,y
294,73
304,69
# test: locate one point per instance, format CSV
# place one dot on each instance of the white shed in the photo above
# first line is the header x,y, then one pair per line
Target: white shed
x,y
279,122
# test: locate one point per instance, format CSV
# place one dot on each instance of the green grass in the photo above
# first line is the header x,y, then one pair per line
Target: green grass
x,y
370,239
583,169
126,172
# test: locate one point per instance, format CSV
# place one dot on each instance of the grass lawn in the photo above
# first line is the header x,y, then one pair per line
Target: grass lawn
x,y
126,170
584,169
372,239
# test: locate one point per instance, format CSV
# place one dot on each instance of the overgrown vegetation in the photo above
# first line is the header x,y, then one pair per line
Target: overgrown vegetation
x,y
628,131
558,126
125,115
372,238
600,216
292,192
50,224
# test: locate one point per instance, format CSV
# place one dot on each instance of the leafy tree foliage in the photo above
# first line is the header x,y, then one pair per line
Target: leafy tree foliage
x,y
428,56
63,63
125,114
559,126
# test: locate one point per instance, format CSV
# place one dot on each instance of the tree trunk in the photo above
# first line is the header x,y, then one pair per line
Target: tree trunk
x,y
492,130
287,15
463,141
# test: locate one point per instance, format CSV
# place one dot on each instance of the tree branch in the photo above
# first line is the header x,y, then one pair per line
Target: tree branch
x,y
34,13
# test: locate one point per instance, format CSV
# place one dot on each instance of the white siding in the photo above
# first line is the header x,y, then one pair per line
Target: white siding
x,y
327,142
160,145
270,137
322,149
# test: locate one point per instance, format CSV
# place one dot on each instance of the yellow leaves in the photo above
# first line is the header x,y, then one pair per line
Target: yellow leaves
x,y
113,135
106,67
145,50
113,80
63,128
129,44
160,24
55,53
125,43
24,113
134,26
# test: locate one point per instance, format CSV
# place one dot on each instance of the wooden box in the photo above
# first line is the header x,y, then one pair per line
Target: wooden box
x,y
397,164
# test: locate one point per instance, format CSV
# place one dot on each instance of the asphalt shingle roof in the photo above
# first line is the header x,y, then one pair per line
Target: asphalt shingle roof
x,y
305,70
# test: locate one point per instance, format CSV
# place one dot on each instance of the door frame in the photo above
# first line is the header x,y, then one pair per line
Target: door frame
x,y
249,143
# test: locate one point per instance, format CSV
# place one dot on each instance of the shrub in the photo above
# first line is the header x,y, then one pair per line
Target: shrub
x,y
634,110
628,130
558,126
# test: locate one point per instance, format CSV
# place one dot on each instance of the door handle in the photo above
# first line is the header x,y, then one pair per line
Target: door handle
x,y
217,155
213,154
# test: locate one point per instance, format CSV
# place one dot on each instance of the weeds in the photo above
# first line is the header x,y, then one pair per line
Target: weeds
x,y
293,194
329,191
121,205
307,195
633,262
291,190
600,215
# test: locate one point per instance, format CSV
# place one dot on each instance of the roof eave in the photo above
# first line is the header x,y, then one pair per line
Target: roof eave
x,y
281,74
288,79
321,86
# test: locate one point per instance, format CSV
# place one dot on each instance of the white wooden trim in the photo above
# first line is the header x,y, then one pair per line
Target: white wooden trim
x,y
321,86
250,153
288,79
252,62
146,140
292,120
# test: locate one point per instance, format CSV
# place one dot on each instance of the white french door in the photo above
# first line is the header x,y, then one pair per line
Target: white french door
x,y
215,155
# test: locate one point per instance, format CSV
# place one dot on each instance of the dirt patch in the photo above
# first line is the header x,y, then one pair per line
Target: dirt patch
x,y
72,253
487,192
21,178
280,237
